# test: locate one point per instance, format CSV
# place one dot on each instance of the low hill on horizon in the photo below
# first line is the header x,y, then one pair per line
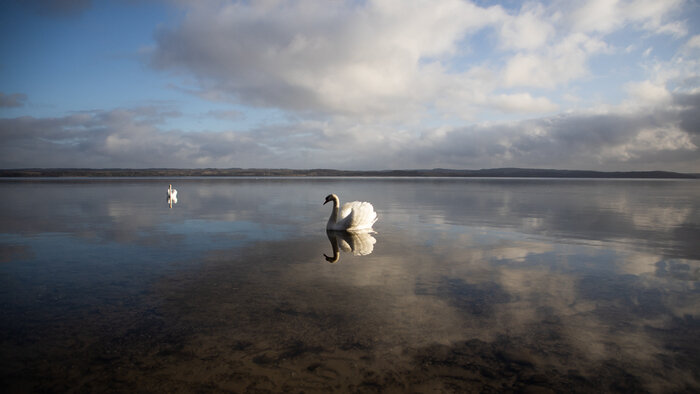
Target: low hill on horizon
x,y
282,172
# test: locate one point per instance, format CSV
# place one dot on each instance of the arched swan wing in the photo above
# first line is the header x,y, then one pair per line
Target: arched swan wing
x,y
356,215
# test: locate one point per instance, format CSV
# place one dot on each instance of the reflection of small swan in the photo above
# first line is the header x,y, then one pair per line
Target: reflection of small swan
x,y
352,216
360,243
172,196
172,200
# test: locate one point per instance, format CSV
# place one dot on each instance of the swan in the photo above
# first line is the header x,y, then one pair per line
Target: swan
x,y
172,193
352,216
359,243
172,196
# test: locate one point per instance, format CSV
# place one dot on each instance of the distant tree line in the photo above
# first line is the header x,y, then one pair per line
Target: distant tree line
x,y
285,172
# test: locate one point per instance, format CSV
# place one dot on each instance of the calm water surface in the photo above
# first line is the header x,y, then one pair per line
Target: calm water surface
x,y
467,285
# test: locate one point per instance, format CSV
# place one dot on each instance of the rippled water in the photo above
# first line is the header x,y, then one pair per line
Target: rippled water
x,y
467,285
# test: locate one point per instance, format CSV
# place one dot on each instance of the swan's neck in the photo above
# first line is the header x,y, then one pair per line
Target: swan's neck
x,y
334,212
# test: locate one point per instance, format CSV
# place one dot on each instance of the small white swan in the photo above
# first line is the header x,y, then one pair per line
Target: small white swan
x,y
172,196
172,193
352,216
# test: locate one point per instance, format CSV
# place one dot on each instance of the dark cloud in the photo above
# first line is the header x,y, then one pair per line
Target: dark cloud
x,y
12,100
226,115
690,113
228,53
118,138
60,8
660,138
663,138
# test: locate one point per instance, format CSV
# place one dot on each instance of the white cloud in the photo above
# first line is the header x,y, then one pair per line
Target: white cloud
x,y
522,102
554,65
647,93
596,15
379,58
351,58
529,30
649,141
693,42
605,16
653,14
393,60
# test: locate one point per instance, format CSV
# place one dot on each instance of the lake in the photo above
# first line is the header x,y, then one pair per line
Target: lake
x,y
466,285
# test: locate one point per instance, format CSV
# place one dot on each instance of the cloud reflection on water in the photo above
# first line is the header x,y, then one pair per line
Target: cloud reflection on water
x,y
565,316
644,214
628,212
506,280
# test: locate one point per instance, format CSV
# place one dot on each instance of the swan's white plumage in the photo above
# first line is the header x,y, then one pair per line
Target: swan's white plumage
x,y
172,193
172,196
352,216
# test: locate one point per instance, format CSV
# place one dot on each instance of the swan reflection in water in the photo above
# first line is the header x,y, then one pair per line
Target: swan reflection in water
x,y
172,200
359,243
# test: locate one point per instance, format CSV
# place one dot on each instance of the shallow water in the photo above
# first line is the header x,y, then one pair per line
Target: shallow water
x,y
467,285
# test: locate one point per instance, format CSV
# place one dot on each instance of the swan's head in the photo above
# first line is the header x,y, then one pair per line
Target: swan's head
x,y
330,198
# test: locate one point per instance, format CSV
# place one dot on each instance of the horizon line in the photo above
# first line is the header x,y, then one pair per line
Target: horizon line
x,y
515,172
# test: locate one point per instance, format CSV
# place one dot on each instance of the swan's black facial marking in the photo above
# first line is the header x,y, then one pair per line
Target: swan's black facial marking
x,y
328,198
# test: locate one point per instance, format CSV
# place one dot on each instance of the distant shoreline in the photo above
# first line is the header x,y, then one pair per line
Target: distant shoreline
x,y
281,172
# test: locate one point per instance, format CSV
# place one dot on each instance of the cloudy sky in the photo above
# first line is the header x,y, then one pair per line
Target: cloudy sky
x,y
365,84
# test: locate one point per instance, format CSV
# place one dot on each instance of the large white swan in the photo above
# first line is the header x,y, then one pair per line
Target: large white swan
x,y
352,216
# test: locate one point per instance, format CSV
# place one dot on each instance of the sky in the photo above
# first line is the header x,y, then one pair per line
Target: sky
x,y
366,84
